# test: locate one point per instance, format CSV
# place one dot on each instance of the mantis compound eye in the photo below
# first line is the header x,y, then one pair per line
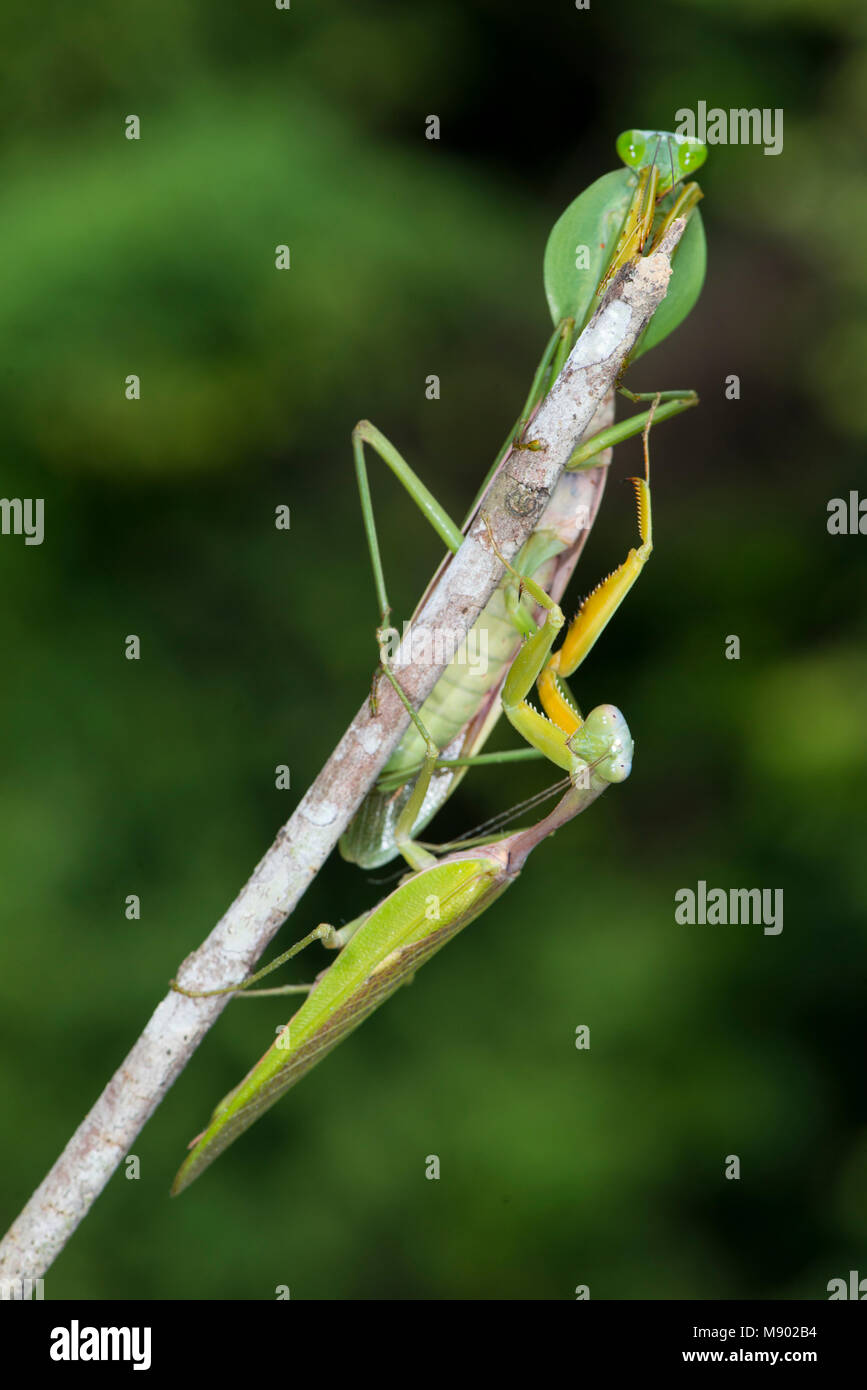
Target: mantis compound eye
x,y
632,148
690,153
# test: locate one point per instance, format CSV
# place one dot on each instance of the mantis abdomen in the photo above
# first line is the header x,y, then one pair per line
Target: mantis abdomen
x,y
397,938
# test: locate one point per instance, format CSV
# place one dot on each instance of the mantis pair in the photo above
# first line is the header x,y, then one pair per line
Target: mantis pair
x,y
383,948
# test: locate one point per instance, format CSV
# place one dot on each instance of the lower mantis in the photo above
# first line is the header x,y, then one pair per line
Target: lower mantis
x,y
382,950
463,707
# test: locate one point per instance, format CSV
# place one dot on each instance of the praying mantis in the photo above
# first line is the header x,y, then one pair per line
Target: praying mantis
x,y
620,210
383,948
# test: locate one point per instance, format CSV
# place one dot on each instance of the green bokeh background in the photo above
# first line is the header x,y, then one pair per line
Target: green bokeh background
x,y
409,257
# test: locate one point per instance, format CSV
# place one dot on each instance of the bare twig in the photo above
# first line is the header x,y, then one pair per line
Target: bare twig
x,y
513,503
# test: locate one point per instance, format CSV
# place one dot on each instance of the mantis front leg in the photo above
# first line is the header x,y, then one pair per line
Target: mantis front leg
x,y
599,606
602,742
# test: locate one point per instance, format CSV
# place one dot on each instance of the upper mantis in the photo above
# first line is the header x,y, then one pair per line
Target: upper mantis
x,y
382,949
608,224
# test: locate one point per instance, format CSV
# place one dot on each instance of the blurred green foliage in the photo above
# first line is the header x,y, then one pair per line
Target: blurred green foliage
x,y
409,257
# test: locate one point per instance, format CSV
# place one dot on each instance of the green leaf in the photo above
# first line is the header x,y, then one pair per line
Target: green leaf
x,y
684,287
590,224
588,231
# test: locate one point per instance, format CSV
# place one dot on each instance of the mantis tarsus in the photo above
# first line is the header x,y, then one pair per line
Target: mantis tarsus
x,y
383,948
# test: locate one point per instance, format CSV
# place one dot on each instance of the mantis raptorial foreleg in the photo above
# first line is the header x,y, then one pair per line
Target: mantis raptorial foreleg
x,y
566,740
598,607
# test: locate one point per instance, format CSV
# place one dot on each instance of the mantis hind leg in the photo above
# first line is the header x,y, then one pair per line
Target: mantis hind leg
x,y
332,938
324,933
366,433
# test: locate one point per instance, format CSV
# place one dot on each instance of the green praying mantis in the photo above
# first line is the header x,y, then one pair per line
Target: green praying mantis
x,y
613,222
623,210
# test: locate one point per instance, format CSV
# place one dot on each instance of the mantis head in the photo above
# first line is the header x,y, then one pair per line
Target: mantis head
x,y
676,156
605,743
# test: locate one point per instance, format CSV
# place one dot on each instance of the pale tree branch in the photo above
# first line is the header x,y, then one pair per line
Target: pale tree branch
x,y
513,503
